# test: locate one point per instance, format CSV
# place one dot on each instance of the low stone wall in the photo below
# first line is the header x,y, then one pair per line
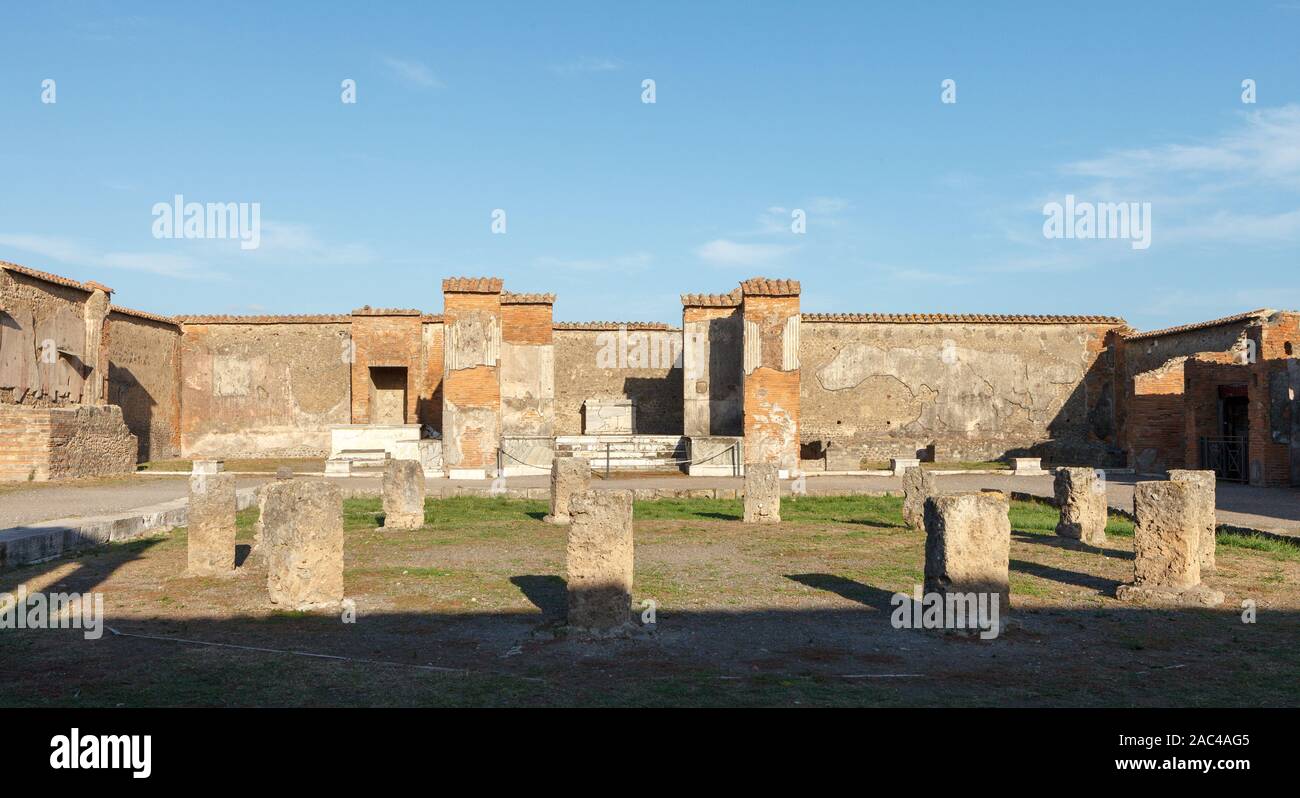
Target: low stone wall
x,y
39,444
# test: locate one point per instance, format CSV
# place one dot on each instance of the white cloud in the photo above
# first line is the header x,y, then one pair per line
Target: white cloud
x,y
68,251
1262,149
724,252
415,73
587,64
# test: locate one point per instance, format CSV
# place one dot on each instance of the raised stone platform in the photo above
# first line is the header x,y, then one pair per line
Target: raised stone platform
x,y
625,452
369,445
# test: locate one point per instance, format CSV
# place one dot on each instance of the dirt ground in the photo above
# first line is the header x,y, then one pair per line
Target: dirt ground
x,y
467,612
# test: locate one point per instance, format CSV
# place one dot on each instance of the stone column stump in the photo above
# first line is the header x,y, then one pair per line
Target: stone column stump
x,y
1204,499
211,525
1081,496
599,560
1166,545
569,476
403,494
302,532
762,494
918,485
968,545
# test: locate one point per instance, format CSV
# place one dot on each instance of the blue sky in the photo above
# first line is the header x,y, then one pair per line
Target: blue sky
x,y
618,206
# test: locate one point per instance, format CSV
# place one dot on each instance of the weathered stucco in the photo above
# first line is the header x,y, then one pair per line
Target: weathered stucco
x,y
973,391
263,390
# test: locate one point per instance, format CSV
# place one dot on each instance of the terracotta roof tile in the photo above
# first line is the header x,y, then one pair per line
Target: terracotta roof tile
x,y
729,300
763,286
613,325
366,310
472,285
957,318
508,298
88,287
298,319
143,315
1251,315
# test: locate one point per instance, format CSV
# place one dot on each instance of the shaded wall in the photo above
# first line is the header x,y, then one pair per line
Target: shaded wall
x,y
144,379
598,362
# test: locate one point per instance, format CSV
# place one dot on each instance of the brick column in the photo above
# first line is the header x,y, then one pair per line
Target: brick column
x,y
471,393
770,309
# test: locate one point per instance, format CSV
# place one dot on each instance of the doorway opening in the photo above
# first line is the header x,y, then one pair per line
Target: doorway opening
x,y
387,395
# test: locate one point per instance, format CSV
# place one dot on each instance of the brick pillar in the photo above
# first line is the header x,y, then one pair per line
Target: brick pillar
x,y
471,392
770,309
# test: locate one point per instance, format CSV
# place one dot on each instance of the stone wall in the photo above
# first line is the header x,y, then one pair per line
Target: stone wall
x,y
712,332
973,388
263,386
50,338
44,443
633,361
144,379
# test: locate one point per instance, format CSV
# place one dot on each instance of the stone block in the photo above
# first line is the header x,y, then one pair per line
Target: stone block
x,y
968,545
762,494
609,417
303,535
599,560
211,525
403,487
918,485
1027,466
338,468
899,465
1203,499
569,475
1166,547
1081,497
208,467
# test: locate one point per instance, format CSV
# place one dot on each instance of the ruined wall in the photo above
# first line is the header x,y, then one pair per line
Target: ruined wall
x,y
44,443
387,338
263,386
144,379
527,366
875,388
712,332
1150,411
641,363
1275,444
50,341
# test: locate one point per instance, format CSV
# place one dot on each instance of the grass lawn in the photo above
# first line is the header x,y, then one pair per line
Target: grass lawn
x,y
467,612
